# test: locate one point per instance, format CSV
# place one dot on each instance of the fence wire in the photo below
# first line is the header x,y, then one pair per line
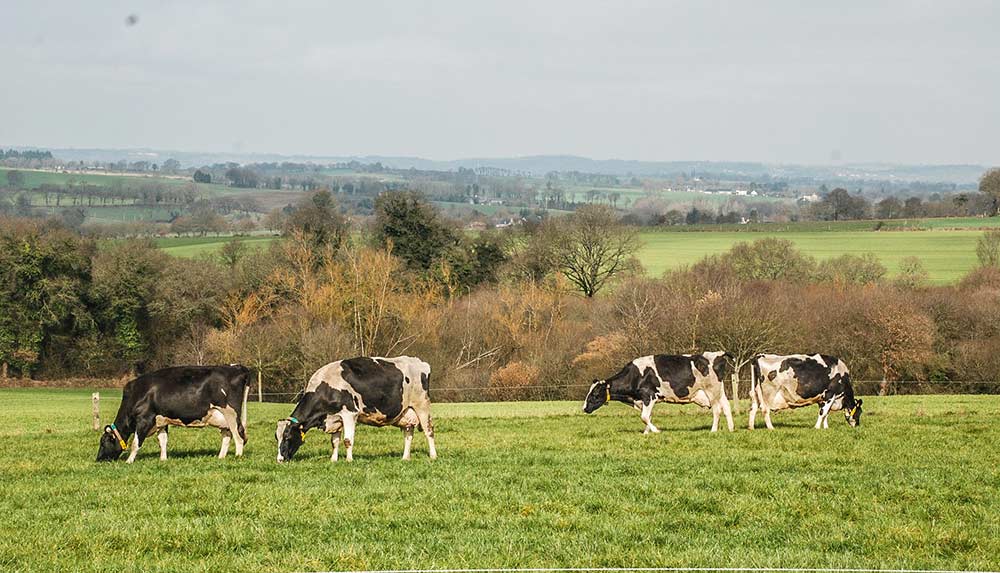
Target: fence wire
x,y
536,392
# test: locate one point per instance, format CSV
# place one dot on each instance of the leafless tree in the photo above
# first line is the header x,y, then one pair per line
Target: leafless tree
x,y
592,247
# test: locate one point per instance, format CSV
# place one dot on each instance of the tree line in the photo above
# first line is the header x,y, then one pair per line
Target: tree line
x,y
524,314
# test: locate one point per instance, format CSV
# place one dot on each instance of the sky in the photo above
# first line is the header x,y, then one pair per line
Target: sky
x,y
771,81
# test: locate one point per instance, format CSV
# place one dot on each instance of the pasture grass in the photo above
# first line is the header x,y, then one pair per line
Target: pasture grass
x,y
190,247
516,485
947,255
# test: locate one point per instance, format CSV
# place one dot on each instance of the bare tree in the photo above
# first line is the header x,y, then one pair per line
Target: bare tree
x,y
592,247
743,324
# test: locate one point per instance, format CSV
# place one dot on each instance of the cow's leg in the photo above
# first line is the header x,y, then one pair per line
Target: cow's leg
x,y
428,426
335,442
824,411
349,420
716,413
142,429
161,437
767,418
753,412
646,413
407,441
728,412
227,436
232,429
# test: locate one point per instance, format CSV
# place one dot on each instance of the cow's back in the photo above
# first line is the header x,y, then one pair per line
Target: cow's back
x,y
184,392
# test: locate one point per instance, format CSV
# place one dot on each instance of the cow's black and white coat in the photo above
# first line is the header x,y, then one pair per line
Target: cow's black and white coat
x,y
373,391
677,379
796,380
188,396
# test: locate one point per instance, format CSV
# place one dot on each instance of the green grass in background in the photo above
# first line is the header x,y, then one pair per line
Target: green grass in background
x,y
190,247
947,255
517,485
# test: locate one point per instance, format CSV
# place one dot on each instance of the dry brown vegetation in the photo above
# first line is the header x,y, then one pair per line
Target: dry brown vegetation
x,y
287,310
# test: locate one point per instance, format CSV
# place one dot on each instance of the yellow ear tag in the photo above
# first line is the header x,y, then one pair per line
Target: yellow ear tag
x,y
608,398
302,435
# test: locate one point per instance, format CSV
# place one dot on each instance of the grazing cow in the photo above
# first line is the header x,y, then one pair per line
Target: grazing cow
x,y
797,380
679,379
188,396
372,391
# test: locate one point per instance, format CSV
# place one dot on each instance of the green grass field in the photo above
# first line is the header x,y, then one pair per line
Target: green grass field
x,y
191,247
516,484
946,254
925,224
33,179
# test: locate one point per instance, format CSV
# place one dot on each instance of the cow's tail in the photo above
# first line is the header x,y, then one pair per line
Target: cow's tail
x,y
753,380
246,394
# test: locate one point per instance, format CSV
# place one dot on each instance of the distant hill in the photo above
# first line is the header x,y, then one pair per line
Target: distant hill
x,y
539,165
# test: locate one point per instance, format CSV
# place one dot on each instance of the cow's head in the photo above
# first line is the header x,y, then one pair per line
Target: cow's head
x,y
599,395
853,414
722,363
290,434
112,445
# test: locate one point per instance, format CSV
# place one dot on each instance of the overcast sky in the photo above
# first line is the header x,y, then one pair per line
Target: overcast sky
x,y
785,82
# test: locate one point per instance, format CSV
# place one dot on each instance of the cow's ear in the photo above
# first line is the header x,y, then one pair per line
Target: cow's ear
x,y
860,401
107,429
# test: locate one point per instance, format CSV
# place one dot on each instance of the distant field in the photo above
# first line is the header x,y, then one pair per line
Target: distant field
x,y
33,179
453,209
267,199
947,255
630,195
189,247
841,226
917,486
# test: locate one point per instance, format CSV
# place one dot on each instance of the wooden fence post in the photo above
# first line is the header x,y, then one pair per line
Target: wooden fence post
x,y
736,395
260,387
96,398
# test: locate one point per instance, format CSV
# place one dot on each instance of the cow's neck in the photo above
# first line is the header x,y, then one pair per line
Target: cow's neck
x,y
123,425
309,417
623,389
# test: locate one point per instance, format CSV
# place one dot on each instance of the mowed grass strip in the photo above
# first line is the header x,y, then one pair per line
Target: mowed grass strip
x,y
517,485
946,255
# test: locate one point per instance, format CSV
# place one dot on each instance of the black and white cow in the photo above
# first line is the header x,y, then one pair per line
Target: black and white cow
x,y
188,396
373,391
676,379
778,382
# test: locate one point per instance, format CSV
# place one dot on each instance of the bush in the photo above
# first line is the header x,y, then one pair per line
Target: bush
x,y
514,382
988,249
863,269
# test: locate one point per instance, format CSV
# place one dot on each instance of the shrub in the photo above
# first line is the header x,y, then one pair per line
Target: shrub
x,y
514,382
